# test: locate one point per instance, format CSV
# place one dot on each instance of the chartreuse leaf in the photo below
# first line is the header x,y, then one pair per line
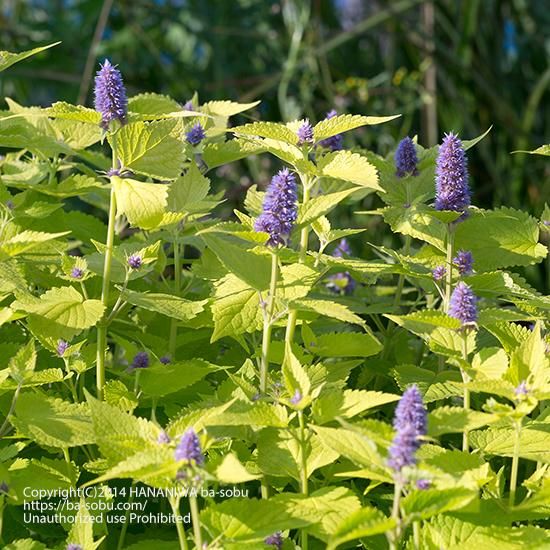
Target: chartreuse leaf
x,y
348,166
7,59
52,422
25,544
187,191
22,365
424,322
26,241
272,130
82,530
227,108
445,420
165,304
362,523
329,127
77,113
321,205
253,269
116,393
421,505
328,309
150,148
500,238
144,204
279,453
231,470
60,312
542,150
218,154
235,309
243,520
344,344
295,376
153,104
348,403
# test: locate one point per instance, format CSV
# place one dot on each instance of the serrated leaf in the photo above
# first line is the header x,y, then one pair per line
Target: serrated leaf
x,y
227,108
348,166
52,422
218,154
294,375
272,130
329,127
165,304
444,420
344,344
7,59
422,505
150,149
144,204
76,113
187,191
153,104
321,205
327,308
22,365
60,312
27,240
231,470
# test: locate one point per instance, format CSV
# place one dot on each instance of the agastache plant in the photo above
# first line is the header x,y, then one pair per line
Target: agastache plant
x,y
464,262
406,159
305,133
333,143
110,95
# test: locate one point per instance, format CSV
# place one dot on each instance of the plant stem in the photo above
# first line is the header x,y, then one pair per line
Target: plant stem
x,y
416,535
175,504
401,280
177,287
196,521
466,394
395,535
303,470
102,326
12,408
515,464
449,265
268,324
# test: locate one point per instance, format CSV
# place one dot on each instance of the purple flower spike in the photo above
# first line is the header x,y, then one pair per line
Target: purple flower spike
x,y
464,261
410,423
423,484
451,184
77,273
163,438
275,540
296,398
189,448
406,159
73,546
439,273
110,95
62,347
521,390
188,105
463,304
343,249
305,133
196,134
341,282
135,261
165,359
279,208
140,361
334,143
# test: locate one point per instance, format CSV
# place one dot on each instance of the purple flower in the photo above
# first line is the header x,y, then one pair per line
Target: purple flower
x,y
463,305
451,184
188,105
73,546
62,347
110,95
77,273
423,484
189,448
305,133
275,540
135,261
439,273
279,208
343,249
410,423
296,398
464,261
196,134
406,159
140,361
163,437
521,390
334,143
165,359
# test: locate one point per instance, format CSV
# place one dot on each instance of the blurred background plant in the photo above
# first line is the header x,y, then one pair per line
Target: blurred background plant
x,y
444,64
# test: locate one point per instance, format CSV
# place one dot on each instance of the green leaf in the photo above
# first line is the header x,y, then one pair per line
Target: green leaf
x,y
542,150
150,149
144,204
424,322
327,308
421,505
347,404
27,240
165,304
7,59
321,205
344,344
253,269
52,422
294,375
231,470
187,192
22,366
329,127
444,420
227,108
82,530
218,154
348,166
500,238
117,394
272,130
161,380
153,104
60,312
76,113
363,523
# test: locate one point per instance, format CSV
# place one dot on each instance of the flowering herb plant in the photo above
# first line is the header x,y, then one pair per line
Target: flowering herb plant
x,y
389,403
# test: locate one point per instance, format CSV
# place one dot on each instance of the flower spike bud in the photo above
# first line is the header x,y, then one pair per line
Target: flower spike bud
x,y
110,95
406,159
463,304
